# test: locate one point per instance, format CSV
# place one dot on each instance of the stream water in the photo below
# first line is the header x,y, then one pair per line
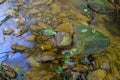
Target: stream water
x,y
44,30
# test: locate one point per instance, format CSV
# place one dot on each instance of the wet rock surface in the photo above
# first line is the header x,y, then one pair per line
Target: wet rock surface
x,y
97,75
55,40
8,31
87,41
1,1
46,56
63,39
8,72
18,47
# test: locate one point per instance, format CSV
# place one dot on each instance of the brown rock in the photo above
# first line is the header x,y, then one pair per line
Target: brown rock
x,y
80,68
46,46
45,2
8,72
31,38
98,74
41,74
8,31
33,11
34,28
19,3
46,56
65,27
43,25
18,47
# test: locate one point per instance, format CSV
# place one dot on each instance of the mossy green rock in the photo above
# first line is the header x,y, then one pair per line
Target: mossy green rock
x,y
103,6
88,41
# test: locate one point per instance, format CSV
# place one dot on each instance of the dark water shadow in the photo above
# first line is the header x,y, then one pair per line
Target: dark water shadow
x,y
113,24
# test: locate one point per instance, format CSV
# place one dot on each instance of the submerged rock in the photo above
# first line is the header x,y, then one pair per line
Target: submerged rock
x,y
8,31
41,75
80,68
18,47
20,31
46,46
88,42
66,27
31,38
97,75
8,72
102,6
33,11
46,56
63,39
1,1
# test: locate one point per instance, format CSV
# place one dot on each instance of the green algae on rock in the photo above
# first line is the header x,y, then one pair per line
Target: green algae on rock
x,y
88,42
49,32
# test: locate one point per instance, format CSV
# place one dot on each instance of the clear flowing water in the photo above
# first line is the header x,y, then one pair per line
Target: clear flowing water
x,y
52,14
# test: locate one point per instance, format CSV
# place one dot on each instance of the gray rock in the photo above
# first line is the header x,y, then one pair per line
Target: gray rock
x,y
88,42
63,39
20,31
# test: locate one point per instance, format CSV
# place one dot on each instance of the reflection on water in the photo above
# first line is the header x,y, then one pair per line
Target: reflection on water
x,y
14,60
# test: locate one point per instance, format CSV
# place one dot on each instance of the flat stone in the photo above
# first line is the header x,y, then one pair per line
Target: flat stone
x,y
98,74
20,31
19,3
46,56
43,25
88,42
18,47
34,27
63,39
80,68
36,3
31,38
8,31
33,11
41,74
102,6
